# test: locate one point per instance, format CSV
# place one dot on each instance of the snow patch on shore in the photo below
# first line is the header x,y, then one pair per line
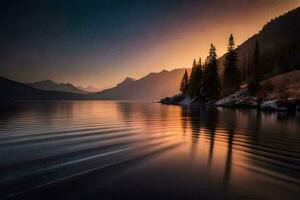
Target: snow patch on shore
x,y
272,104
235,97
187,101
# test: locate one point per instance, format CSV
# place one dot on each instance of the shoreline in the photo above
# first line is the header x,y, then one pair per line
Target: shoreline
x,y
275,105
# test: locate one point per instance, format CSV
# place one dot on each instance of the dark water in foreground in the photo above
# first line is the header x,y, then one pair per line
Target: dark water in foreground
x,y
127,150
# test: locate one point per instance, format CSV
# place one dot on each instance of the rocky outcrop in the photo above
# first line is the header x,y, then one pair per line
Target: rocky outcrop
x,y
240,98
281,105
174,100
179,99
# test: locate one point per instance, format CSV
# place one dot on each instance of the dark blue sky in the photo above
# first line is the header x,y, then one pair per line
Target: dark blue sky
x,y
101,42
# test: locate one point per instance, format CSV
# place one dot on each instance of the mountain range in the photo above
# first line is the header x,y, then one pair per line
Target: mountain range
x,y
151,87
280,52
48,85
12,90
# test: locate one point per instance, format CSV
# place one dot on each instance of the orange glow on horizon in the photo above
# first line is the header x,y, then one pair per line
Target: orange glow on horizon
x,y
178,49
194,41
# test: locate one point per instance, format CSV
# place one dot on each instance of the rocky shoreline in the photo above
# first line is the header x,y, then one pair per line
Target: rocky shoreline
x,y
239,99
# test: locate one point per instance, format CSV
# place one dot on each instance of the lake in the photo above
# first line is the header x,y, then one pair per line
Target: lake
x,y
138,150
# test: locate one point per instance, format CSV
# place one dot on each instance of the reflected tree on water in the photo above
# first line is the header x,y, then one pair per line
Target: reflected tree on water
x,y
230,125
212,121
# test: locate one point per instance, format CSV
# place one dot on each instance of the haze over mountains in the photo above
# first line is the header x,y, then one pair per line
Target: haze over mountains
x,y
280,51
89,89
12,90
49,85
151,87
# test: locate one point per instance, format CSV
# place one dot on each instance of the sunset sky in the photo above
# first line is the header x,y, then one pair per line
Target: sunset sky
x,y
99,43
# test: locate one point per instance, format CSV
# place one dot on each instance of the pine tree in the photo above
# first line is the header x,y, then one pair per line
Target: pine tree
x,y
192,80
184,86
199,77
200,63
211,83
253,83
232,76
195,79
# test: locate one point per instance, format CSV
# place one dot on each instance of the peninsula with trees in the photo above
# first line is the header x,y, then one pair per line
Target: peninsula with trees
x,y
263,72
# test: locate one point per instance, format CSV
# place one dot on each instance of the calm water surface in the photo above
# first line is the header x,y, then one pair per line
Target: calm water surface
x,y
130,150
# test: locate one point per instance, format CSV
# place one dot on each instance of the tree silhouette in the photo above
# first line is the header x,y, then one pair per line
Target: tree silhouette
x,y
184,86
232,77
195,79
211,83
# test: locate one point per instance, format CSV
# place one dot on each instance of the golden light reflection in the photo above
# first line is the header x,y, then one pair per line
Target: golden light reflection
x,y
209,142
195,146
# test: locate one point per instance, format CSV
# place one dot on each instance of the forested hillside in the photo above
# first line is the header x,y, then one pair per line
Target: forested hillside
x,y
279,42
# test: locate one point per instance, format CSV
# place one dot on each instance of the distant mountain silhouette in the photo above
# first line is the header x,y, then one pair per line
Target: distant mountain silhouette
x,y
151,87
127,81
89,89
12,90
279,43
49,85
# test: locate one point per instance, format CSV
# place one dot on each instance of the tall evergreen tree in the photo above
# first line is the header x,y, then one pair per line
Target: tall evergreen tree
x,y
253,83
200,63
195,80
184,86
199,77
232,76
211,83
